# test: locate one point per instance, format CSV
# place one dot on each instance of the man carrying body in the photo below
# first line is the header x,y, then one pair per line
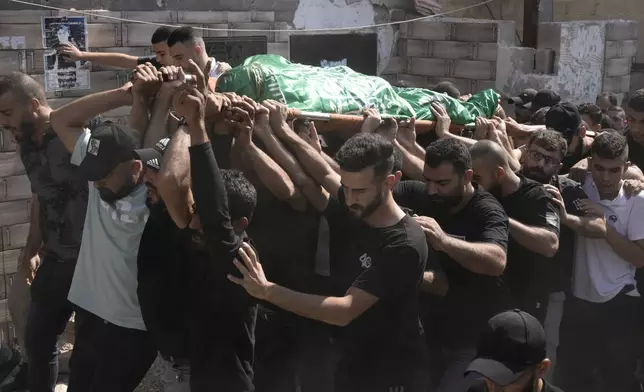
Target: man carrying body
x,y
57,216
378,256
601,326
185,44
534,225
468,229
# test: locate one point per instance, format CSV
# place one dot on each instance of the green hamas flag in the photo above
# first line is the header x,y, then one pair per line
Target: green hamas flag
x,y
341,90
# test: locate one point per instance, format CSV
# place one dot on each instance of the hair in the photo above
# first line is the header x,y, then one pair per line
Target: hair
x,y
610,145
366,150
398,160
491,152
539,117
182,34
607,122
612,98
549,140
96,122
242,195
447,88
593,111
401,84
636,101
608,130
449,150
161,34
65,27
23,87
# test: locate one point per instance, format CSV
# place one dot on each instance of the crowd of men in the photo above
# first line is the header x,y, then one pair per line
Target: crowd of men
x,y
253,254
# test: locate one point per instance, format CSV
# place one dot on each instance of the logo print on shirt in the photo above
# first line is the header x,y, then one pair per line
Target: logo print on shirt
x,y
92,146
365,261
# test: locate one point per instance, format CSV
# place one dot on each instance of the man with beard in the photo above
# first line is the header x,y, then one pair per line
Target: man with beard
x,y
468,230
542,160
112,350
534,225
511,355
56,225
378,255
185,44
565,119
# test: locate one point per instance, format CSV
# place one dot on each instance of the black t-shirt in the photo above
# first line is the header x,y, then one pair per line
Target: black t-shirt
x,y
635,152
387,263
472,298
571,192
479,386
149,59
528,273
570,160
164,284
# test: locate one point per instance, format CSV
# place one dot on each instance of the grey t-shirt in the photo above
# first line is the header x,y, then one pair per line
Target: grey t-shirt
x,y
105,280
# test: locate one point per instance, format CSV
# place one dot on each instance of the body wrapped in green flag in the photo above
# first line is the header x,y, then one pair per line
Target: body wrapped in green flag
x,y
341,90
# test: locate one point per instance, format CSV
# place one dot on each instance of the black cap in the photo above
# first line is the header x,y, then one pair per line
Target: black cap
x,y
109,145
513,342
524,98
542,99
152,157
564,118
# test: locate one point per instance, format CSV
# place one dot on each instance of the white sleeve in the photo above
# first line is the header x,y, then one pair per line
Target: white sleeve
x,y
635,230
80,150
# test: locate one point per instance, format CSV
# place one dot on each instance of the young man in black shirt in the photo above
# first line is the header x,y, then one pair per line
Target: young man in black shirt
x,y
221,316
468,230
511,355
534,226
160,59
378,255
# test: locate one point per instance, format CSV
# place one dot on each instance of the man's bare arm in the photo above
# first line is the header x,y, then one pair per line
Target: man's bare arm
x,y
435,282
68,121
270,173
536,239
413,166
174,179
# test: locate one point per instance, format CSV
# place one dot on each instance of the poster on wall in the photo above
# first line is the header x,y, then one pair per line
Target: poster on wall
x,y
62,73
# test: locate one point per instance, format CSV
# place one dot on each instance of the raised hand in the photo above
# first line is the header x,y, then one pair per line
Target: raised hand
x,y
70,51
146,80
442,119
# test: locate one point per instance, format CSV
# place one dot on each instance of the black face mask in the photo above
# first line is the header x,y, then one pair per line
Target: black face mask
x,y
111,197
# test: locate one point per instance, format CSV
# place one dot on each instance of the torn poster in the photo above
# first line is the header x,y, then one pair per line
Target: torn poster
x,y
62,73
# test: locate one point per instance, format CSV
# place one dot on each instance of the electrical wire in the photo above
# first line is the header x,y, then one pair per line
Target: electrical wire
x,y
364,27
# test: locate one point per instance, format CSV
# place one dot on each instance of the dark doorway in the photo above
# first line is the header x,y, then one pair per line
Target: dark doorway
x,y
235,50
357,51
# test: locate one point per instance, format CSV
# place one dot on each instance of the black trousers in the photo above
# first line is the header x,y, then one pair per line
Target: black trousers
x,y
291,352
106,357
49,313
598,346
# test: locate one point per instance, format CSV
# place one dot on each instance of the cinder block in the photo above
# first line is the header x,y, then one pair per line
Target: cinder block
x,y
428,30
96,16
486,51
203,17
15,236
220,30
413,80
463,85
616,49
620,30
484,85
259,29
99,81
618,67
617,84
16,187
469,69
154,16
429,67
285,31
413,47
109,35
239,17
284,16
396,65
262,16
14,212
136,34
475,32
452,50
23,16
31,32
273,5
10,165
12,61
10,260
280,48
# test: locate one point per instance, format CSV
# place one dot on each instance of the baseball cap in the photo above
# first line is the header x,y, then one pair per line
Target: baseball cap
x,y
513,342
524,98
542,99
564,118
109,145
153,156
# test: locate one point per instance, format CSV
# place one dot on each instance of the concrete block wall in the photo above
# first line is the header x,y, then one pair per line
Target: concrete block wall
x,y
621,51
464,52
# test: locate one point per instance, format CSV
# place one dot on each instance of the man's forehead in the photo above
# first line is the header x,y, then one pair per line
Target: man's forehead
x,y
444,171
608,163
542,150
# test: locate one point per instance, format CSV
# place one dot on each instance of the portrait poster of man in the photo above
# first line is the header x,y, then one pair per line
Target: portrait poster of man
x,y
62,73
